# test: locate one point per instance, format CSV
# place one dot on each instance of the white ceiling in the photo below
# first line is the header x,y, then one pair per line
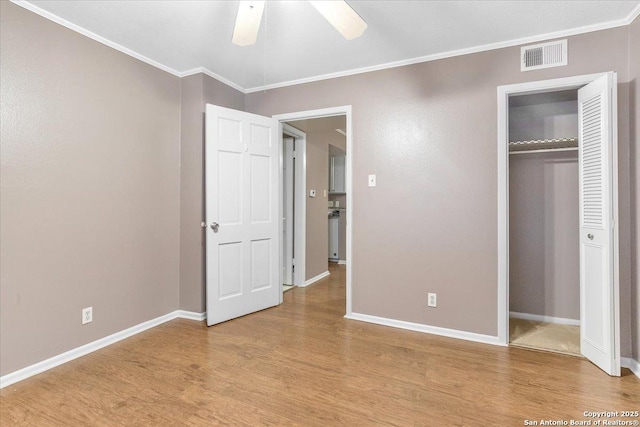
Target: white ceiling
x,y
297,44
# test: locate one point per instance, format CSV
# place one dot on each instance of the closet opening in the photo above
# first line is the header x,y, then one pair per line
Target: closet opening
x,y
544,246
558,244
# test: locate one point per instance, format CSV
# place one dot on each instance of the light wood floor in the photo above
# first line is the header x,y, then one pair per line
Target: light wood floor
x,y
303,364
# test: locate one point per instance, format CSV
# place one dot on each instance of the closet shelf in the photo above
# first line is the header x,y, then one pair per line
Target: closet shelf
x,y
538,145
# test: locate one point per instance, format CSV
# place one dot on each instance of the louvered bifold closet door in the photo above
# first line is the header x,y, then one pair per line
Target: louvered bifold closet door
x,y
598,319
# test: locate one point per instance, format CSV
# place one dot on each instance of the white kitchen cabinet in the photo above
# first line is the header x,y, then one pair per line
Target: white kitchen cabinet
x,y
337,182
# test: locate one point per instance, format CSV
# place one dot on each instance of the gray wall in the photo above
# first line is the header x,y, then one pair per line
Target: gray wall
x,y
429,133
634,76
317,222
317,227
89,186
197,91
192,251
544,121
101,203
544,270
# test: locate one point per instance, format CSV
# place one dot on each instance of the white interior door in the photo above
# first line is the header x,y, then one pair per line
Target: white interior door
x,y
599,322
288,199
242,213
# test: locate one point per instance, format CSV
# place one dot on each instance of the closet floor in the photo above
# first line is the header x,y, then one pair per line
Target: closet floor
x,y
286,288
564,339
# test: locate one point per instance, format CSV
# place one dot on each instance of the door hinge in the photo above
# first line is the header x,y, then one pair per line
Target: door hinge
x,y
293,261
294,154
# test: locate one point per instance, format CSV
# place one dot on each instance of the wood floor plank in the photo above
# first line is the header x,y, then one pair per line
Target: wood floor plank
x,y
303,364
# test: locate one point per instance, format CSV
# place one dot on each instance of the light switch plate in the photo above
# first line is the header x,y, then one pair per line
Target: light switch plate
x,y
372,180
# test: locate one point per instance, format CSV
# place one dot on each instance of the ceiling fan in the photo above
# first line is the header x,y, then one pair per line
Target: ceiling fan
x,y
337,12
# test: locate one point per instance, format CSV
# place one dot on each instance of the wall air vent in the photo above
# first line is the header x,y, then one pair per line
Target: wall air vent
x,y
543,55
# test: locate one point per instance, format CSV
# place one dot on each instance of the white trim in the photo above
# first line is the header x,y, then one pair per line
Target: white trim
x,y
315,114
633,15
349,201
213,75
427,58
342,262
315,279
329,112
192,315
78,29
418,327
83,350
542,318
287,258
503,181
300,201
615,208
453,53
631,364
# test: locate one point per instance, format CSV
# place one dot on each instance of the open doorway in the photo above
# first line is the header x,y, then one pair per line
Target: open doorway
x,y
544,268
337,203
326,134
596,231
293,253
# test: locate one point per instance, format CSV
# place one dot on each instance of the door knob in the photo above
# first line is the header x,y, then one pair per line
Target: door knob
x,y
214,227
590,236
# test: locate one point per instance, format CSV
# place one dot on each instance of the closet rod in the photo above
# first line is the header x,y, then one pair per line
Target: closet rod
x,y
544,150
540,145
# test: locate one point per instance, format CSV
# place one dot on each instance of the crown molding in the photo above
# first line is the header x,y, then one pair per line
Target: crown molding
x,y
427,58
450,54
208,72
78,29
633,15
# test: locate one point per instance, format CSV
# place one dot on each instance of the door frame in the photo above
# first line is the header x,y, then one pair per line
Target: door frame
x,y
300,200
344,110
504,92
288,217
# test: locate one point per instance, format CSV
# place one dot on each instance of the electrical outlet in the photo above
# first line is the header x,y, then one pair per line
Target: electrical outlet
x,y
433,300
87,315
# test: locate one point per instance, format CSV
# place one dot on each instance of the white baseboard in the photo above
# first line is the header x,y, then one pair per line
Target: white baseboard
x,y
631,364
315,279
541,318
192,315
342,262
435,330
67,356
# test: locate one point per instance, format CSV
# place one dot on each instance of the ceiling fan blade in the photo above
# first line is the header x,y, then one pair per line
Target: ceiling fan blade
x,y
248,20
342,17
